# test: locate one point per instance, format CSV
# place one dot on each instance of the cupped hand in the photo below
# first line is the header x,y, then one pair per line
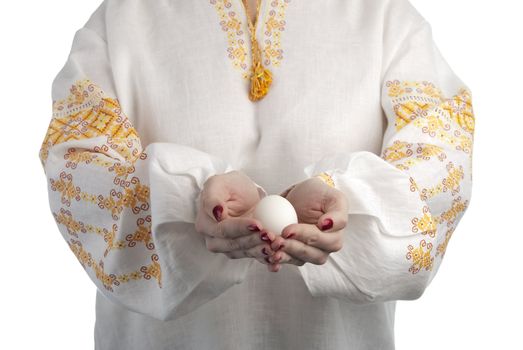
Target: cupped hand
x,y
322,215
225,218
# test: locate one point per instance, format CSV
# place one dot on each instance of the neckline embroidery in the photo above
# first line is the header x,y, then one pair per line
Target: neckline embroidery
x,y
271,24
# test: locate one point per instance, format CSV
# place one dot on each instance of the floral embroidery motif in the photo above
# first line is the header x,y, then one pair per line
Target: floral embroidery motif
x,y
426,225
238,49
115,146
423,107
421,257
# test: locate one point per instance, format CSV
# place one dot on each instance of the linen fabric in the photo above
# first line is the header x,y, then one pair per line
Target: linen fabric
x,y
153,100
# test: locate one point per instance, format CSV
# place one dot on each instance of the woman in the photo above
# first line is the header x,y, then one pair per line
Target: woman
x,y
171,121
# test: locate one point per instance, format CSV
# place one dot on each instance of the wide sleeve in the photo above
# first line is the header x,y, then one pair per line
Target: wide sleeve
x,y
128,212
406,202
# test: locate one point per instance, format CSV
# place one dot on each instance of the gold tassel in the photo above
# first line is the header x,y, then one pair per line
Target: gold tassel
x,y
261,77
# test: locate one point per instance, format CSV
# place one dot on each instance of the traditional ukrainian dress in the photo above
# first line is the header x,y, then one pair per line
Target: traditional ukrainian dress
x,y
153,100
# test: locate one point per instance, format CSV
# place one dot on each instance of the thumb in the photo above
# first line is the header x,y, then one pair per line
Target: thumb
x,y
336,213
213,200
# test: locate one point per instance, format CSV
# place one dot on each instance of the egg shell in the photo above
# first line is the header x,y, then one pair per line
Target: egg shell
x,y
275,213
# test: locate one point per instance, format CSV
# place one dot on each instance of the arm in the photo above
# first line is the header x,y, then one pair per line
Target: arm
x,y
404,204
128,212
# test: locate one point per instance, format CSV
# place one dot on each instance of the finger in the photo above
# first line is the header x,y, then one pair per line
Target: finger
x,y
304,252
282,257
222,245
261,252
235,227
273,267
335,210
312,236
213,199
208,226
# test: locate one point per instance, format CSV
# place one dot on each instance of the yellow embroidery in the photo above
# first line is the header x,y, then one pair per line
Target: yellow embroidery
x,y
238,39
400,150
426,225
460,110
323,176
450,120
450,183
413,100
137,198
420,256
110,280
443,246
457,209
141,234
274,27
237,49
397,88
88,114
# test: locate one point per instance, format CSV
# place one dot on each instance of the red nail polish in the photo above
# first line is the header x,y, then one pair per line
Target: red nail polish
x,y
264,251
253,228
217,211
265,237
327,224
291,235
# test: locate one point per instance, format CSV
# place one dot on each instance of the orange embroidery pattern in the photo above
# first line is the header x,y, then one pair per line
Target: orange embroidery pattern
x,y
110,280
142,233
87,114
400,150
414,99
422,106
421,257
238,50
443,246
274,27
450,183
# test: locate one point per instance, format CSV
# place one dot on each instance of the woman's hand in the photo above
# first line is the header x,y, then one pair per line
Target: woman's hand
x,y
225,218
322,214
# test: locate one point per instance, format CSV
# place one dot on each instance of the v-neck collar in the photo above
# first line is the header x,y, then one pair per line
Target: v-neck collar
x,y
269,29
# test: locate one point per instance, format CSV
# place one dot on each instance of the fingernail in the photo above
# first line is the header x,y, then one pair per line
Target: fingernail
x,y
291,235
264,251
265,237
281,246
217,211
327,224
253,228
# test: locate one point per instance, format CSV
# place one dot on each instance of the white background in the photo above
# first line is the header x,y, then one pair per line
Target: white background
x,y
474,302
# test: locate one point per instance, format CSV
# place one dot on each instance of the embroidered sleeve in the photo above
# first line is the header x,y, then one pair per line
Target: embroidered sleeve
x,y
406,202
127,211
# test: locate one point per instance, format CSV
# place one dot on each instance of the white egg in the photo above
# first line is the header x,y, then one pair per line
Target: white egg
x,y
275,213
